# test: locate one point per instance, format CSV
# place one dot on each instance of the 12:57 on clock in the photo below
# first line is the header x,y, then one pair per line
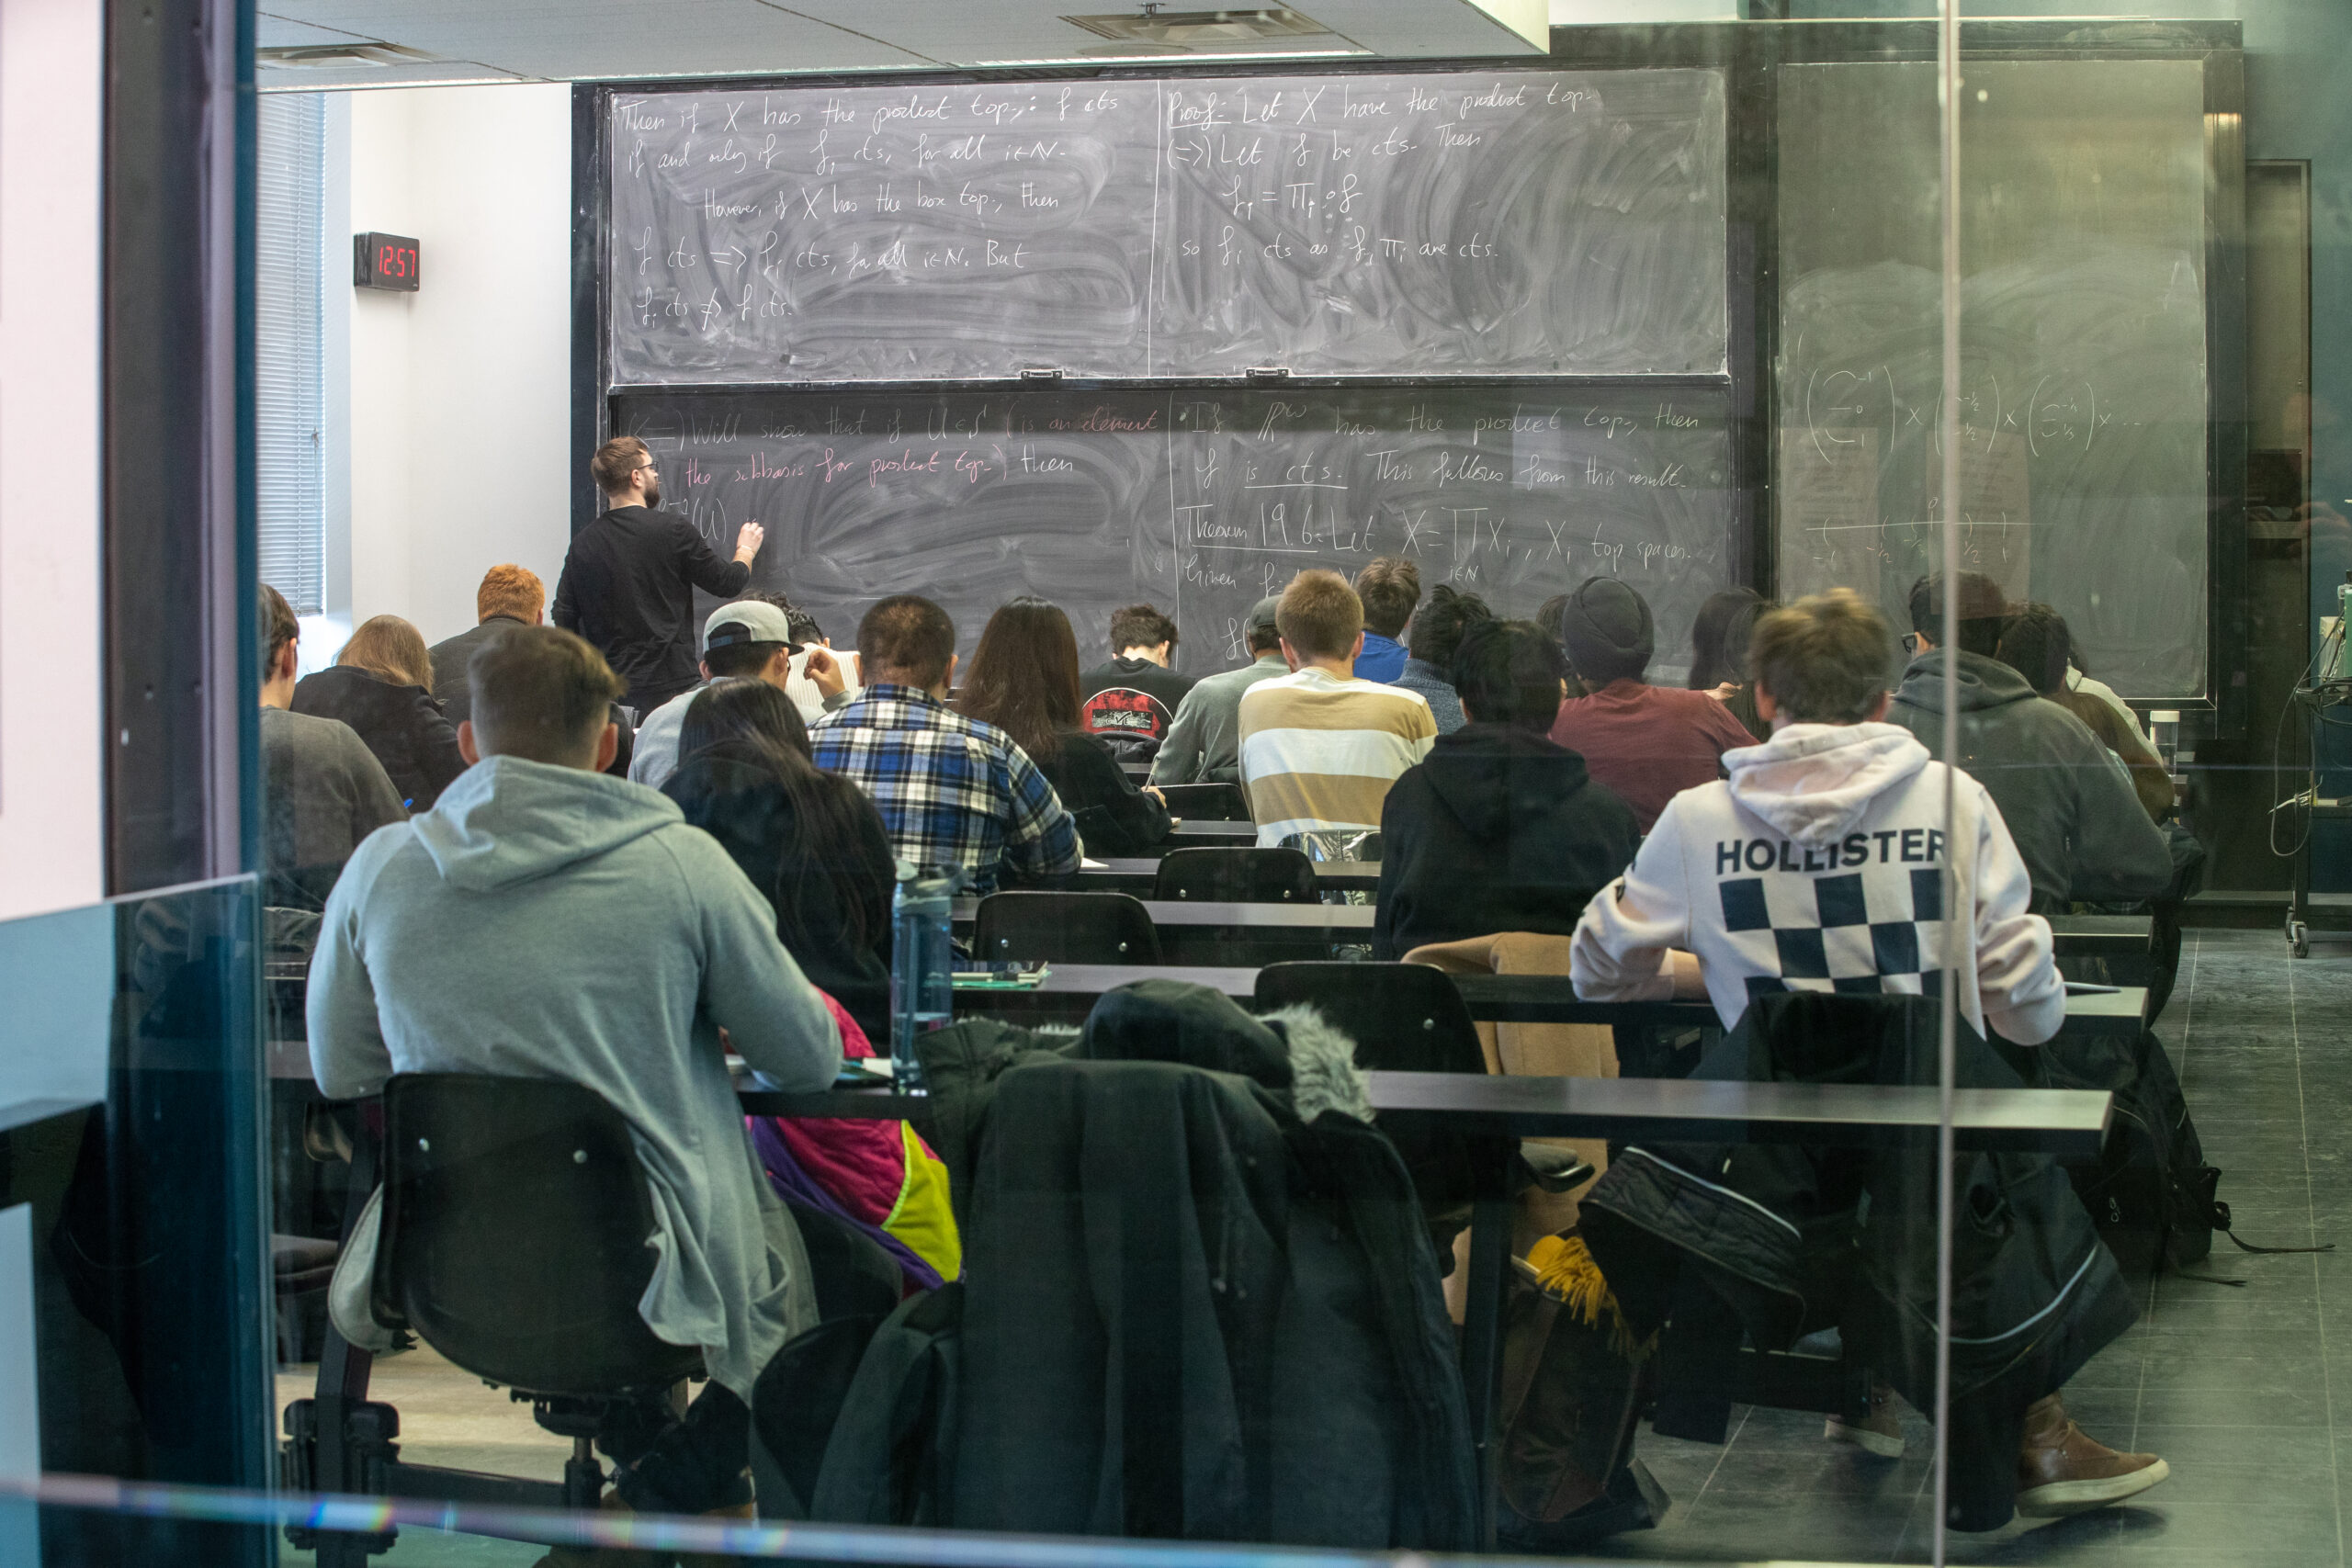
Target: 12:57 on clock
x,y
384,261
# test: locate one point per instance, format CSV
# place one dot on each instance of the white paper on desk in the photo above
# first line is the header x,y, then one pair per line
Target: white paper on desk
x,y
1089,864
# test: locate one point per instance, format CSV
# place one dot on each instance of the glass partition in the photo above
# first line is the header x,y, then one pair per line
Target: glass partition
x,y
1914,1149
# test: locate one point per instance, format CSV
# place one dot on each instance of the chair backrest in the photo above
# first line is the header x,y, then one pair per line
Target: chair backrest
x,y
516,1233
1404,1018
1236,876
1065,928
1207,802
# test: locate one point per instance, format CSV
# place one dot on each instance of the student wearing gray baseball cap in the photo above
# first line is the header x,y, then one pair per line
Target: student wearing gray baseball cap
x,y
1204,744
749,640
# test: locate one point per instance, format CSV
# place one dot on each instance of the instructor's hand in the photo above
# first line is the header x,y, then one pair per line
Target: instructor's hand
x,y
748,540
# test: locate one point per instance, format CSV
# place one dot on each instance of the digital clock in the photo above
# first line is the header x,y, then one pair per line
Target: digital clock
x,y
384,261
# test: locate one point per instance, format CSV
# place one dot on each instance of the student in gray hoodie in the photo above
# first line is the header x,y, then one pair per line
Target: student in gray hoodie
x,y
546,921
2067,801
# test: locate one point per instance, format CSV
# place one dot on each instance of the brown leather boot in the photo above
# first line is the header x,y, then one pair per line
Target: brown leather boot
x,y
2061,1471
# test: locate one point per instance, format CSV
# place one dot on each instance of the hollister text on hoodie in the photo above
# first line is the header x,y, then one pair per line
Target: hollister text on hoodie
x,y
1820,865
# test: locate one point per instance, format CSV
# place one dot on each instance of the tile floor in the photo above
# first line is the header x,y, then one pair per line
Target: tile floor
x,y
2236,1387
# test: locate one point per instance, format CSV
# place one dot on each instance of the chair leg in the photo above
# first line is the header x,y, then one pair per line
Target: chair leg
x,y
583,1477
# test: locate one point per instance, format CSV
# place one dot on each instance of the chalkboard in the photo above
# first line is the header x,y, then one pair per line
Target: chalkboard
x,y
2083,341
1201,502
1505,223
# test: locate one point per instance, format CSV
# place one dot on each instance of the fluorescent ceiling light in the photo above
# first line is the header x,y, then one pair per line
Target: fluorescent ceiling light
x,y
359,54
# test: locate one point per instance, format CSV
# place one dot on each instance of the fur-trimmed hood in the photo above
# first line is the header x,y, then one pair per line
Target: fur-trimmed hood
x,y
1294,1049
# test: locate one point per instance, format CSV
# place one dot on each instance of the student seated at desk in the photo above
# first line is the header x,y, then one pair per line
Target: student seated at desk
x,y
1646,743
322,790
1204,746
749,640
951,790
543,921
2068,802
1131,701
1025,681
1435,634
1818,866
509,596
1498,829
382,685
1319,747
811,840
2035,643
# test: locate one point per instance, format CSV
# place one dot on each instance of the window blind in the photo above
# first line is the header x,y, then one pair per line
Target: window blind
x,y
288,298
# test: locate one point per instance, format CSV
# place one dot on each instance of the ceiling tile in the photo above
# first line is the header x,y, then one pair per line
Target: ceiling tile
x,y
423,74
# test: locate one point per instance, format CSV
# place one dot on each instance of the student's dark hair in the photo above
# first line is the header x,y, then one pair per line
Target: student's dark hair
x,y
2035,643
752,723
1508,672
615,461
542,693
274,627
1719,637
739,658
1389,586
1825,659
1982,610
1024,677
1140,626
907,636
1438,626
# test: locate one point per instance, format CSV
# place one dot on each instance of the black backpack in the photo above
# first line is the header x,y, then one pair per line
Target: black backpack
x,y
2151,1195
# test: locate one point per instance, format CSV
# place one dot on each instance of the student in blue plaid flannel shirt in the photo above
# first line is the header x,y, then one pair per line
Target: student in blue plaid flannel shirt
x,y
951,790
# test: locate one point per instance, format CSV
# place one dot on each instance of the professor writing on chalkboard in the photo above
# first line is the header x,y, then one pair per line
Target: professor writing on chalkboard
x,y
629,584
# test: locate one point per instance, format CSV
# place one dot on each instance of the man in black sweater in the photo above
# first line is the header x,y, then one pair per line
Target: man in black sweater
x,y
629,584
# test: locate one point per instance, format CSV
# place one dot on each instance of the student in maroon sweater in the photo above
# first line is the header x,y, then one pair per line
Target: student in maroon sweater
x,y
1647,743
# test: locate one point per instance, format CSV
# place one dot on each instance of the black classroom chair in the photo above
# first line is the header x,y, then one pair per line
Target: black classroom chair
x,y
1207,802
515,1219
1236,876
1064,928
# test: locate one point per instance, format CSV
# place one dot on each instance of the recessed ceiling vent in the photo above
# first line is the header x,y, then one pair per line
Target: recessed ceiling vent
x,y
1154,29
336,56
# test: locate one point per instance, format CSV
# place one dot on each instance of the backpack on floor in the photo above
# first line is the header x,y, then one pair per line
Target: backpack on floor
x,y
2151,1195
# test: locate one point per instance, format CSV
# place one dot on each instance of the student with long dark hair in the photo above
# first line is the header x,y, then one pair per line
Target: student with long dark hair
x,y
811,840
1719,636
1024,680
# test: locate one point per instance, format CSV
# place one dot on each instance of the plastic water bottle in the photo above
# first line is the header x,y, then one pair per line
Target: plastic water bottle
x,y
923,964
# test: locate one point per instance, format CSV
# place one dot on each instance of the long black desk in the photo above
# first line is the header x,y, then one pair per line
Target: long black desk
x,y
1340,922
1071,989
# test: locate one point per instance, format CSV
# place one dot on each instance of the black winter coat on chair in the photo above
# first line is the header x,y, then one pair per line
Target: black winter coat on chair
x,y
1198,1302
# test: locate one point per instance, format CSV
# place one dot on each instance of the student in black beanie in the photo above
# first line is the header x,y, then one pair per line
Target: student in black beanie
x,y
1648,743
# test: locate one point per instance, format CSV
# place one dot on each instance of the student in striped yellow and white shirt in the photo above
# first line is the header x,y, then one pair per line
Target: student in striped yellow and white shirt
x,y
1318,746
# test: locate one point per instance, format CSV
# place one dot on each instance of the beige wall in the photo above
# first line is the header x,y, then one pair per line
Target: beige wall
x,y
455,439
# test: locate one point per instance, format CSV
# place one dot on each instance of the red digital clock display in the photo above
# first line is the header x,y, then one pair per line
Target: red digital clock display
x,y
384,261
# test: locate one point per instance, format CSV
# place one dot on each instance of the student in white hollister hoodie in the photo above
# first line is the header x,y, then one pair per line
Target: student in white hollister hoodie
x,y
1818,865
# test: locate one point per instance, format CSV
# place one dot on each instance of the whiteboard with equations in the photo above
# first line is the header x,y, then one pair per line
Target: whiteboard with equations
x,y
1203,501
1505,223
2083,347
